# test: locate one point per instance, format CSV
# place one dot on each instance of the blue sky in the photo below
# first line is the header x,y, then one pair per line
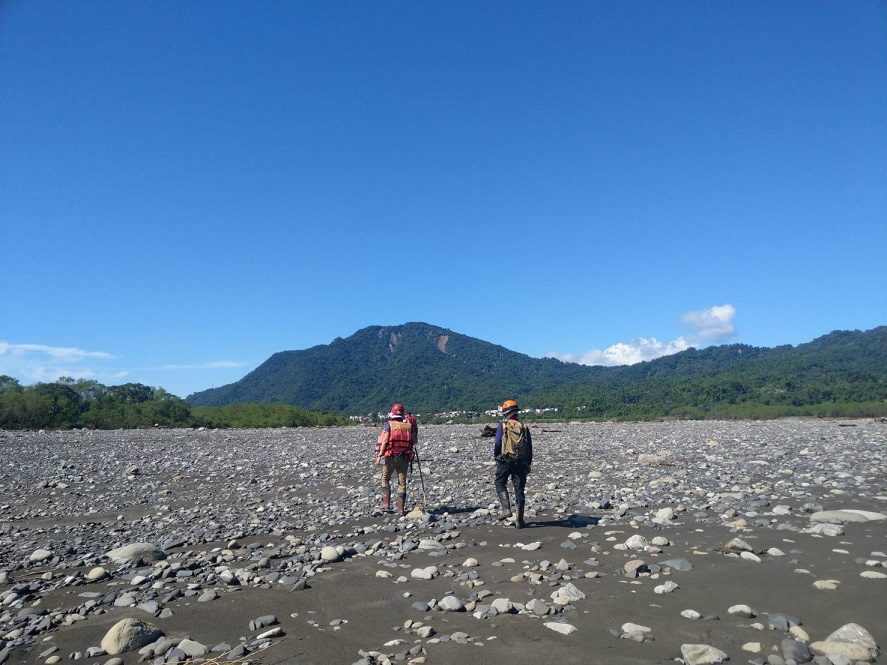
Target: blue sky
x,y
189,187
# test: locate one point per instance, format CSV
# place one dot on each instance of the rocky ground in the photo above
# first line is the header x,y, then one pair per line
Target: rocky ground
x,y
694,542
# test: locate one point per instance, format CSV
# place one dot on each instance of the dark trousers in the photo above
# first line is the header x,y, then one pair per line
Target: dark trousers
x,y
517,473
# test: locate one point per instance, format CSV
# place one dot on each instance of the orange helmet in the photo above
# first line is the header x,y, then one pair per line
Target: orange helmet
x,y
397,410
509,405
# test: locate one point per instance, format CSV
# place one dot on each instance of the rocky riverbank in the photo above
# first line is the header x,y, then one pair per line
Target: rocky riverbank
x,y
646,543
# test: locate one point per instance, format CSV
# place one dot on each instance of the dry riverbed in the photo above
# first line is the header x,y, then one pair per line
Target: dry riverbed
x,y
692,542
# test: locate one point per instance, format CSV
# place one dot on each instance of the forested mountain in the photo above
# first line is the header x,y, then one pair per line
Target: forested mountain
x,y
428,367
432,369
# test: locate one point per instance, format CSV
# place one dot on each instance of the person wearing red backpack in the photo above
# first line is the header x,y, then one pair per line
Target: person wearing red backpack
x,y
513,452
394,449
414,427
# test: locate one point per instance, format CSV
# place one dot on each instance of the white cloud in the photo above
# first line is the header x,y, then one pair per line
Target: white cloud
x,y
627,353
712,324
43,363
56,352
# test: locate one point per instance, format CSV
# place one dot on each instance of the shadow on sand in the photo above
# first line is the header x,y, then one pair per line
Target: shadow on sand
x,y
453,510
572,522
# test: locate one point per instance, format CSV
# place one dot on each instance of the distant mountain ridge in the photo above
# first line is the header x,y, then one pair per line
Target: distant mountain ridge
x,y
430,369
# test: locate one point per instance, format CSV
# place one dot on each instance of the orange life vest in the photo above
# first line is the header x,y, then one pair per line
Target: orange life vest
x,y
400,439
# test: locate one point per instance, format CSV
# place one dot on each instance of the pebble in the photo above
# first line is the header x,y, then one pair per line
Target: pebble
x,y
207,596
796,651
567,594
873,575
682,565
702,654
136,552
96,574
635,632
425,573
128,635
742,610
537,607
562,628
262,622
502,605
450,604
330,554
277,631
40,555
668,587
192,649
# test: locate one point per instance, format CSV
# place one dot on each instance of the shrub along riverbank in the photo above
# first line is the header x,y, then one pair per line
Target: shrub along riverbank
x,y
67,404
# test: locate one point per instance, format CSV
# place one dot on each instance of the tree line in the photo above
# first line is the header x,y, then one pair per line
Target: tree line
x,y
70,403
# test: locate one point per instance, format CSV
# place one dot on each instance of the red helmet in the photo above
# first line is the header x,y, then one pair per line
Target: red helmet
x,y
397,410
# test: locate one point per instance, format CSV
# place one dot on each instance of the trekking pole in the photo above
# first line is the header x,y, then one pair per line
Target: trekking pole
x,y
369,492
421,478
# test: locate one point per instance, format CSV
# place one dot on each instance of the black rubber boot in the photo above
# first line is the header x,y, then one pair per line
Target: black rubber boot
x,y
402,504
504,506
519,522
386,499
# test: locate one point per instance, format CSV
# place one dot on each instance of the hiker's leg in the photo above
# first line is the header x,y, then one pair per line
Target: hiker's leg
x,y
519,480
386,484
502,490
402,467
501,477
504,506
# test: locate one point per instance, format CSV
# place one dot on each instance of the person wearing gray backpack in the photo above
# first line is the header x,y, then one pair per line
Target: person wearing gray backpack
x,y
513,452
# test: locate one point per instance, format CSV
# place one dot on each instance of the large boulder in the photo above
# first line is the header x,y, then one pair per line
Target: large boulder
x,y
330,554
39,556
135,553
702,654
850,641
128,635
845,515
450,604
